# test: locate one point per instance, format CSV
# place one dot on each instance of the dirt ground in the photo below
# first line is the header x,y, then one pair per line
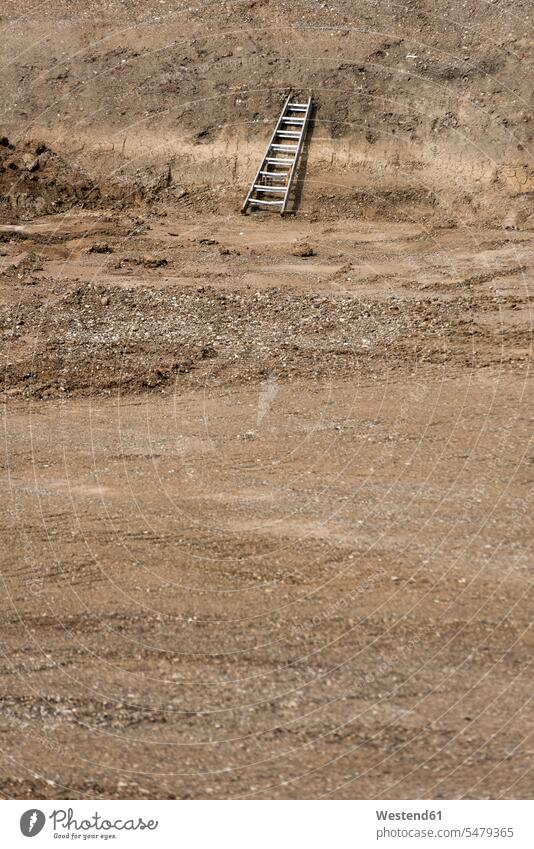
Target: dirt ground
x,y
265,519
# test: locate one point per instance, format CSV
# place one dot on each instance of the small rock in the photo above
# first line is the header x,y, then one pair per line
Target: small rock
x,y
302,249
43,158
100,248
150,261
208,352
30,162
184,366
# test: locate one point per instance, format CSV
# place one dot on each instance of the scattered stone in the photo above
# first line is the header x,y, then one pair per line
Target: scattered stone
x,y
31,163
302,249
150,261
208,352
100,248
184,366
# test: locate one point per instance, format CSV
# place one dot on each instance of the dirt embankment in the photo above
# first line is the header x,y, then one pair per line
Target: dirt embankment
x,y
411,102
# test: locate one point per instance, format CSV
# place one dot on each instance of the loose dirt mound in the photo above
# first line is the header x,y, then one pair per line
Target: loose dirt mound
x,y
35,181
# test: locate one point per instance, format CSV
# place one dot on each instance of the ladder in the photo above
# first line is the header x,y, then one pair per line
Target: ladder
x,y
272,183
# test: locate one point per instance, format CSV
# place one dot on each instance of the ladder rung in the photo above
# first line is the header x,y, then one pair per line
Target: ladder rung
x,y
293,120
288,134
297,105
273,161
258,188
265,202
283,147
274,175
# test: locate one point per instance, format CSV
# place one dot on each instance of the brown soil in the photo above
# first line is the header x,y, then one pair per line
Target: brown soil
x,y
273,541
266,512
419,111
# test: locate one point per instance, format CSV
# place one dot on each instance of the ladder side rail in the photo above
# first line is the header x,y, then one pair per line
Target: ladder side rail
x,y
297,154
251,190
